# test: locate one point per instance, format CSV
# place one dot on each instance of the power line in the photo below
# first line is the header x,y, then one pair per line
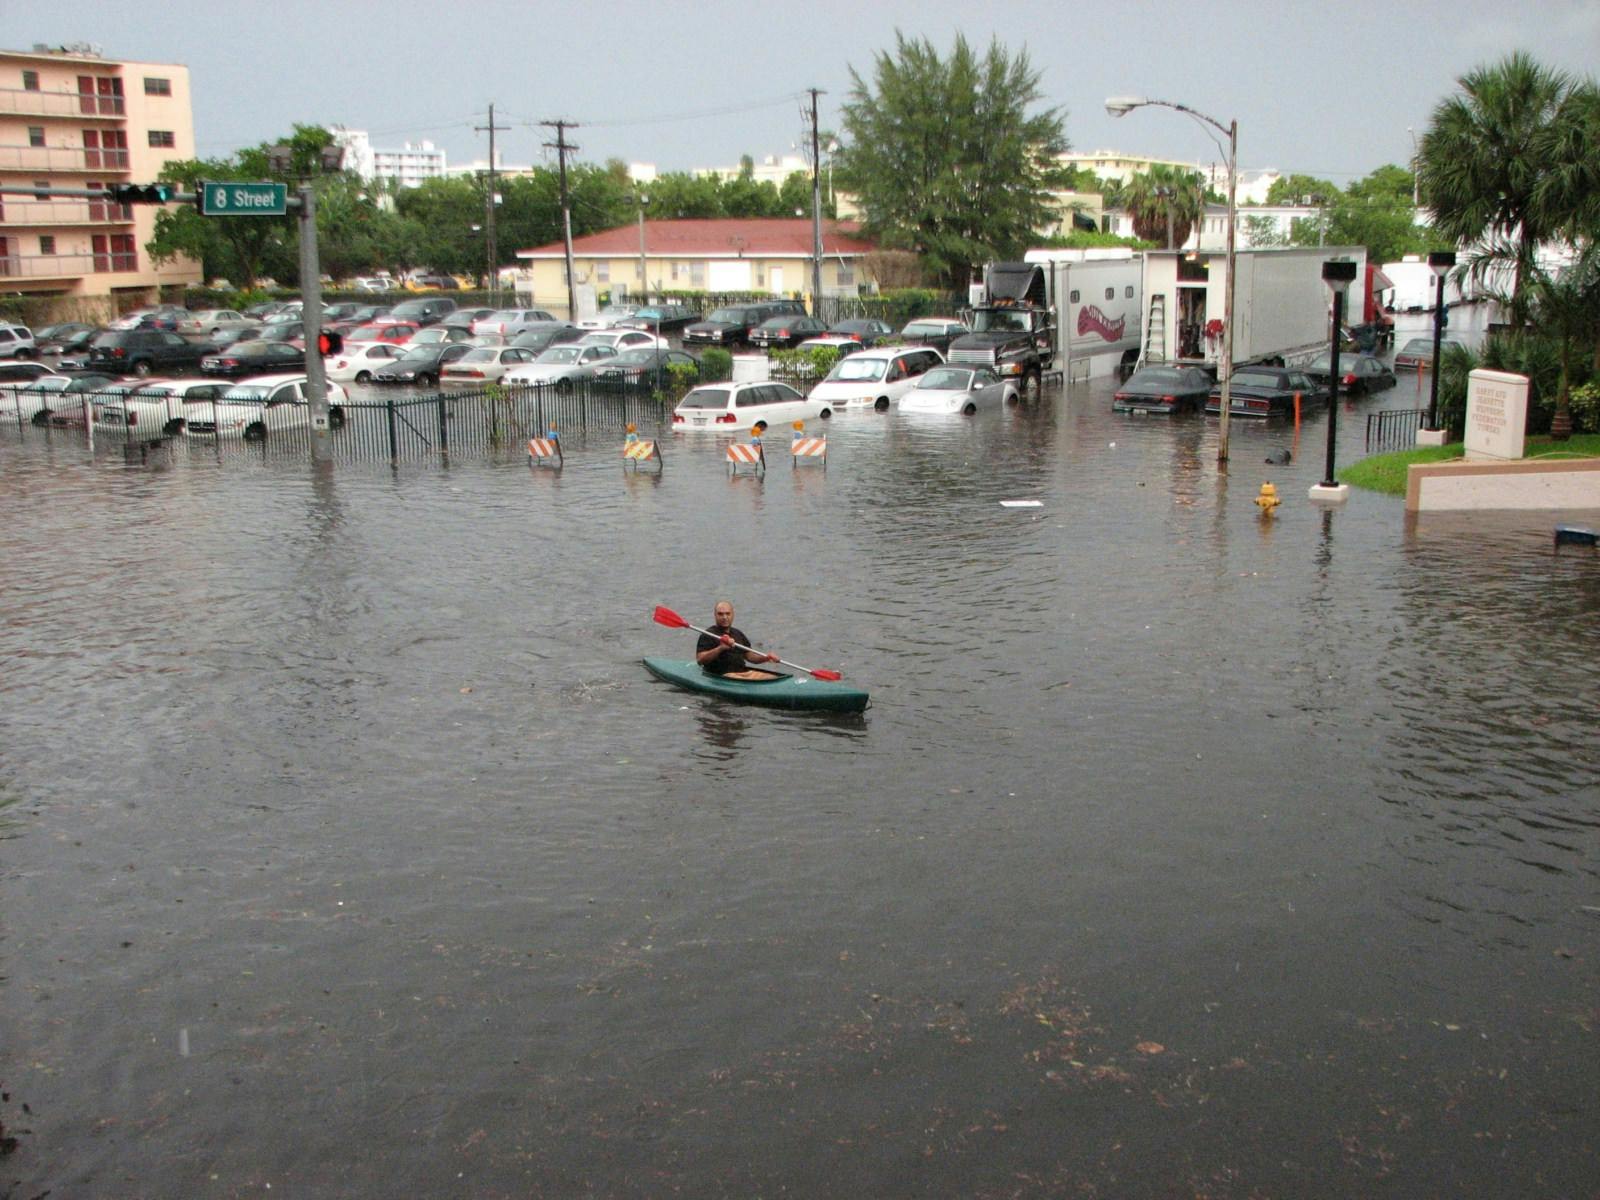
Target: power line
x,y
786,98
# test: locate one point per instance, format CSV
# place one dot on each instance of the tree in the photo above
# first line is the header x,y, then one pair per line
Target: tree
x,y
1510,162
1165,202
1261,231
945,158
1301,189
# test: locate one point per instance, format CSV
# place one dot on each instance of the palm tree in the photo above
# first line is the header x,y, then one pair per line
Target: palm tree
x,y
1165,203
1502,166
1566,303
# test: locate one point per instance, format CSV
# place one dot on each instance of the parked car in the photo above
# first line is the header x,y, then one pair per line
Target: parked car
x,y
510,321
15,372
372,283
1264,391
254,358
264,406
143,352
560,366
1359,374
735,407
728,326
420,364
16,341
154,408
867,330
609,317
442,283
50,396
875,378
290,314
160,316
621,339
229,337
543,336
961,389
1164,390
785,330
339,311
362,315
284,331
52,338
429,310
642,365
439,335
213,321
937,332
74,344
260,312
464,317
484,364
357,361
1417,353
384,331
660,318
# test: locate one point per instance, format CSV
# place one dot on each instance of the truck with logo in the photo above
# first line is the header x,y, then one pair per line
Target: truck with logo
x,y
1071,312
1281,306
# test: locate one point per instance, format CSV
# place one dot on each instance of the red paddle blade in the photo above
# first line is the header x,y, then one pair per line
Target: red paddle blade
x,y
665,616
830,676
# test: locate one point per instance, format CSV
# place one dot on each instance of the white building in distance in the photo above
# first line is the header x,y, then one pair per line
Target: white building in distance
x,y
408,166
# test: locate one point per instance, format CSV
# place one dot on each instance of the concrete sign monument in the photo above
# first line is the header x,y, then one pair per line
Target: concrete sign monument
x,y
1497,414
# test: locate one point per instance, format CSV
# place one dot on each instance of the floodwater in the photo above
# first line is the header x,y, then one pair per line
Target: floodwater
x,y
350,852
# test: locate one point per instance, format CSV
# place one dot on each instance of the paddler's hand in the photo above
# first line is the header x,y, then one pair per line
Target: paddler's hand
x,y
727,641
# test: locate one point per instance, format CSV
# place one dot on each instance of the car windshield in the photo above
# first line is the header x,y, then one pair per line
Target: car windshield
x,y
107,339
504,314
946,379
923,329
1006,322
857,369
1158,377
559,354
250,348
730,316
1261,379
633,358
483,355
246,394
706,397
649,314
53,383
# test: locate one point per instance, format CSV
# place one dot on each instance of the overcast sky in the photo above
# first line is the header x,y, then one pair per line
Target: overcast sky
x,y
1327,90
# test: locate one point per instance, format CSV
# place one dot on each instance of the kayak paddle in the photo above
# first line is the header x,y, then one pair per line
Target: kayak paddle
x,y
665,616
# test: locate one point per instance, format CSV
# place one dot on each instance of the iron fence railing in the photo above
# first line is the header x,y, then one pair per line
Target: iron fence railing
x,y
1394,429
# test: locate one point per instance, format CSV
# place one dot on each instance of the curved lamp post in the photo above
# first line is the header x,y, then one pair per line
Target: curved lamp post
x,y
1119,106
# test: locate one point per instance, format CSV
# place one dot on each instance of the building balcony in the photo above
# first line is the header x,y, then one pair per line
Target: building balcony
x,y
23,214
60,266
62,159
24,102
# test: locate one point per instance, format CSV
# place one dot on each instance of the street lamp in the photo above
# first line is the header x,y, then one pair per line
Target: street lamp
x,y
1439,262
1338,274
1119,106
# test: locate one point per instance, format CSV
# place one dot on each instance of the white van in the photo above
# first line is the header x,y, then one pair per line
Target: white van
x,y
875,378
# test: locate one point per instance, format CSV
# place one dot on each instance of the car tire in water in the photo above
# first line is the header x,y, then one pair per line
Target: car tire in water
x,y
825,413
41,418
336,417
881,404
173,427
970,409
255,432
564,386
427,381
142,368
25,353
363,376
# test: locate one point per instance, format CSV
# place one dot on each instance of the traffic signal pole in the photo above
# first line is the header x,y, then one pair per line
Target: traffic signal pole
x,y
311,322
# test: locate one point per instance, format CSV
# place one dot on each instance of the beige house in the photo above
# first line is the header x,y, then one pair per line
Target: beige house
x,y
763,255
70,118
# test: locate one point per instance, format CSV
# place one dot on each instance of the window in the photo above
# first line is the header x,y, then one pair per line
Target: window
x,y
1073,298
162,138
697,274
35,135
47,244
1111,293
846,275
155,86
30,81
602,271
1127,292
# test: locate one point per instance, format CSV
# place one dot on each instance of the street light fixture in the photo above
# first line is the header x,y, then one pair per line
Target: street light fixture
x,y
1338,274
1439,262
1119,106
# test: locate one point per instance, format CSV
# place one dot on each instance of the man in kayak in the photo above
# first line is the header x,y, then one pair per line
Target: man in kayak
x,y
718,654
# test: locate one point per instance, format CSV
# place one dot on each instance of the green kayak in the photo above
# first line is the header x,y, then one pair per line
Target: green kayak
x,y
786,691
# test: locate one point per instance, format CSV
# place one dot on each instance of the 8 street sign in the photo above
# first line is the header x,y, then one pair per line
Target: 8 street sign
x,y
244,199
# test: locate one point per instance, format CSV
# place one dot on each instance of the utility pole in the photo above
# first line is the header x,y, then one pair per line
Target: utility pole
x,y
561,146
816,212
491,250
311,321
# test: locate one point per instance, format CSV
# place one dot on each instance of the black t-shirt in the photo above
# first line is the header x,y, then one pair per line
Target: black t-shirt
x,y
730,659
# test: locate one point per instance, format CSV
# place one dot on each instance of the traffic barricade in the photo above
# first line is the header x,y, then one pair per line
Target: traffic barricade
x,y
747,454
545,451
637,450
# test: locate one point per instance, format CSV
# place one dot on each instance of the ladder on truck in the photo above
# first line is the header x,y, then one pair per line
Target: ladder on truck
x,y
1155,332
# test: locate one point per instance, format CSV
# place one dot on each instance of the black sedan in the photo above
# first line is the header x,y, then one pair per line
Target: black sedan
x,y
73,339
421,364
786,331
254,358
1163,390
540,338
1265,391
362,315
866,330
639,367
1359,374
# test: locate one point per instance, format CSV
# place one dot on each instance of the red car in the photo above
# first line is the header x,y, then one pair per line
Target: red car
x,y
395,334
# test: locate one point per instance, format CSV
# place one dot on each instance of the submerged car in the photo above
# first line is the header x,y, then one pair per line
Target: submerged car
x,y
484,364
255,410
420,364
1359,374
153,408
50,397
1164,390
963,389
254,358
875,378
560,367
735,407
1264,391
1417,353
937,332
357,361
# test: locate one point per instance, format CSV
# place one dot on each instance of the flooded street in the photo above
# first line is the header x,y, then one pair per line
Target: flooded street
x,y
348,849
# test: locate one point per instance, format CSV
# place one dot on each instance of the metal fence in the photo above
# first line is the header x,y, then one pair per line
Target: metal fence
x,y
1394,429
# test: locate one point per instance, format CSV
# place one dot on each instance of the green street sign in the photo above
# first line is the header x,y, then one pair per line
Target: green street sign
x,y
244,199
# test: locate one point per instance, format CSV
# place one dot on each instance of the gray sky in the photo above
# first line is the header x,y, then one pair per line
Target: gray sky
x,y
1327,90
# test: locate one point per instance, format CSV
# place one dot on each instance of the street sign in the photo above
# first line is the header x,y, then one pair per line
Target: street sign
x,y
244,199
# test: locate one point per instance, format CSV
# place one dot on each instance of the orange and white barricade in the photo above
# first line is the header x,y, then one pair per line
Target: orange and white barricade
x,y
545,451
747,454
637,450
803,448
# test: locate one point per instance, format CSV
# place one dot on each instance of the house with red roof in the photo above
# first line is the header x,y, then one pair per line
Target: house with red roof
x,y
770,256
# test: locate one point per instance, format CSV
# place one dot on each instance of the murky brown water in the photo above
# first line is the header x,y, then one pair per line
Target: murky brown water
x,y
352,852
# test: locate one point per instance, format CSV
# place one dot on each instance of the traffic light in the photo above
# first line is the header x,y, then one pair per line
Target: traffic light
x,y
329,343
142,193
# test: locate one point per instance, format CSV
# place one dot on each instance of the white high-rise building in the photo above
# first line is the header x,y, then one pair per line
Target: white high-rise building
x,y
408,166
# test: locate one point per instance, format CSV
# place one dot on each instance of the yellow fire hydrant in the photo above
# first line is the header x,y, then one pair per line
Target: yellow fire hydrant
x,y
1268,499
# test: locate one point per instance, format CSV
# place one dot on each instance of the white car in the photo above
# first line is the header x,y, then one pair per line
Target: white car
x,y
960,389
622,339
153,408
50,396
263,406
875,378
212,321
357,361
16,341
735,407
559,366
436,335
486,364
609,317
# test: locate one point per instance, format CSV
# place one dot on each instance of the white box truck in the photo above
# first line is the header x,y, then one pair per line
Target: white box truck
x,y
1281,307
